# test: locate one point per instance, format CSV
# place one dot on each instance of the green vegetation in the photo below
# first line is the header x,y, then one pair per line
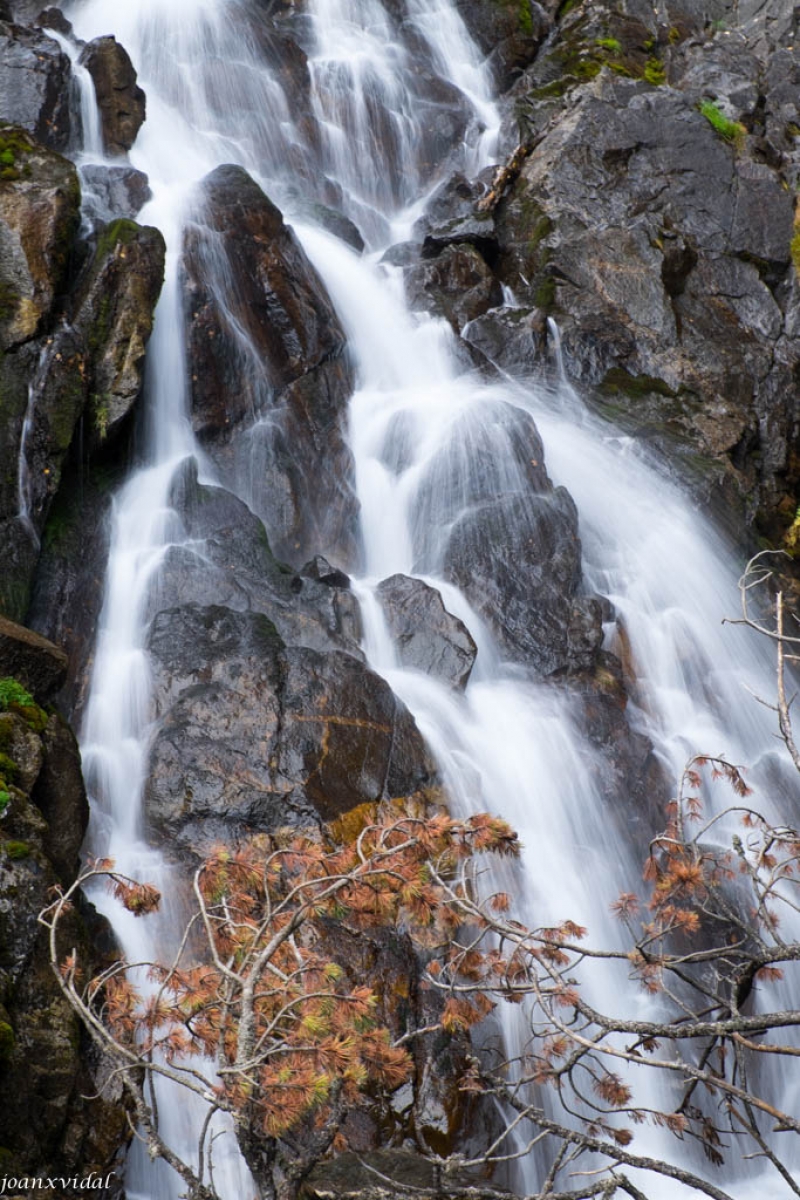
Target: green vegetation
x,y
654,72
794,249
5,800
609,43
731,131
117,233
14,145
14,698
618,381
15,850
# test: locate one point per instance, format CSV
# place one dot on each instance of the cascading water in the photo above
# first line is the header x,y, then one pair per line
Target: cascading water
x,y
419,425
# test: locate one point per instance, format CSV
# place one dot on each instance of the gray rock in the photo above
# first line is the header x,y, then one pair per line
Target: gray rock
x,y
38,664
427,637
268,355
119,98
35,86
112,192
457,285
255,735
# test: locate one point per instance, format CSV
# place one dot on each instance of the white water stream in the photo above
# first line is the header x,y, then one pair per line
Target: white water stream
x,y
508,744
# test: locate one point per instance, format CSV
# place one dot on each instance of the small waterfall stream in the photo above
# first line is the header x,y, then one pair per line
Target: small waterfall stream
x,y
508,745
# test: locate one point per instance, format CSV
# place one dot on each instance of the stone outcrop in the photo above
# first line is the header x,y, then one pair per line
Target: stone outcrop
x,y
428,638
119,98
268,365
35,87
72,342
268,713
49,1128
39,665
493,524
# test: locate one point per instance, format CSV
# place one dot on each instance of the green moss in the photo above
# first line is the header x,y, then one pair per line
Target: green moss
x,y
544,296
117,233
14,698
5,800
15,850
618,381
609,43
654,72
794,250
525,17
731,131
6,1041
674,36
8,768
15,146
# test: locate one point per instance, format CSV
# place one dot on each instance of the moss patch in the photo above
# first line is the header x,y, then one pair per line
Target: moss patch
x,y
729,131
620,382
15,699
15,146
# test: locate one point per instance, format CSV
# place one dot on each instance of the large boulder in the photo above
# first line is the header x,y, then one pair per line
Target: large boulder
x,y
488,519
113,315
119,98
35,87
39,213
255,735
270,380
428,637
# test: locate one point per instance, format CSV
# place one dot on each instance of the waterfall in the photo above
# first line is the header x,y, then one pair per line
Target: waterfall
x,y
508,744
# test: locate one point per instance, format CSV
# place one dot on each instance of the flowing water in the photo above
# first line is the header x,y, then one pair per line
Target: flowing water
x,y
385,119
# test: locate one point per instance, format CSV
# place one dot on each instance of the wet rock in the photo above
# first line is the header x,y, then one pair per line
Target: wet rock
x,y
120,100
39,212
113,315
268,354
113,192
517,560
53,18
334,222
320,569
509,32
60,795
427,637
662,247
35,88
67,593
489,520
257,735
36,662
453,218
511,339
457,285
89,364
40,1048
229,562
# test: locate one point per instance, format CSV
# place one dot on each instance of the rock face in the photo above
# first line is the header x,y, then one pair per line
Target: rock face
x,y
119,98
270,379
428,638
493,524
72,344
268,714
35,86
48,1128
38,664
